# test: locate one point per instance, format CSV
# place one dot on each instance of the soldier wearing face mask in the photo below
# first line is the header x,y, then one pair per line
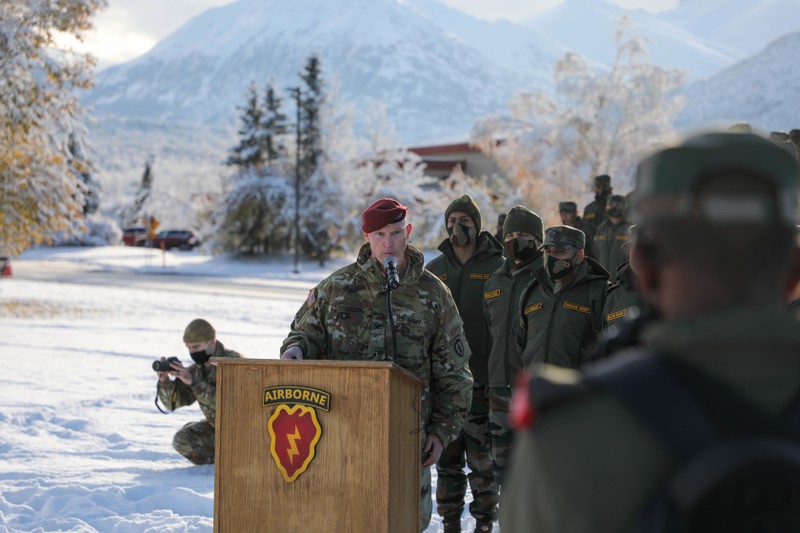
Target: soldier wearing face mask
x,y
196,382
612,234
522,236
561,316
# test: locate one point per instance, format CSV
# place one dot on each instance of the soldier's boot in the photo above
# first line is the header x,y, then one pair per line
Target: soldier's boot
x,y
452,525
483,527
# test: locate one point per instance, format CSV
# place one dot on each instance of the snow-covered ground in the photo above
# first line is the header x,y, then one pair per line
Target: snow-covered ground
x,y
82,446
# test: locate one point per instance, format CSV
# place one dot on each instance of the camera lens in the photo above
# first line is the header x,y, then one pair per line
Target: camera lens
x,y
157,366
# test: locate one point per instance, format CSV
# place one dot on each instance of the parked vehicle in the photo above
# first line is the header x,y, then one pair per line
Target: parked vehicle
x,y
135,236
181,239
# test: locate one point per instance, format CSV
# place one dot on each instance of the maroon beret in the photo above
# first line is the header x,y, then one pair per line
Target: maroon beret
x,y
382,213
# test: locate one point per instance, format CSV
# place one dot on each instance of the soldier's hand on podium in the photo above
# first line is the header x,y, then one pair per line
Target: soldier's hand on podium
x,y
292,352
432,450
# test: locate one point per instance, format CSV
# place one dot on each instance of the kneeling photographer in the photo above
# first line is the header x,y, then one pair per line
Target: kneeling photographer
x,y
180,385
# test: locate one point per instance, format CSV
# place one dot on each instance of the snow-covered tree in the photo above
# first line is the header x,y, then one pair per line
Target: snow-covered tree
x,y
273,127
311,102
137,211
598,122
40,193
249,153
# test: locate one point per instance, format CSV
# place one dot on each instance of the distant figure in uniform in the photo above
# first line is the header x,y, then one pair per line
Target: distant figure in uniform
x,y
561,316
346,318
469,257
501,219
715,252
611,234
522,236
196,382
623,299
595,212
568,211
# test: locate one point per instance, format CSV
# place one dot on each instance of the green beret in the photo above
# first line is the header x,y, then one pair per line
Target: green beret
x,y
198,330
666,182
466,205
563,237
523,220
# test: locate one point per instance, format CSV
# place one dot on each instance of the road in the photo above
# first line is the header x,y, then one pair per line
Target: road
x,y
86,274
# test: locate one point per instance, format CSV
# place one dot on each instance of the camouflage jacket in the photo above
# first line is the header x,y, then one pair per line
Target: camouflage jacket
x,y
466,282
622,295
608,241
500,303
176,393
558,327
346,317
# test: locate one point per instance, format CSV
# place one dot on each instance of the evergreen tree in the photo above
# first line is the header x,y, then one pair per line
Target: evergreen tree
x,y
143,194
249,152
312,98
273,128
82,168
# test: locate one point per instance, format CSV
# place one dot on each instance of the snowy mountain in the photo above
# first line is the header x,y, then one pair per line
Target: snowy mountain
x,y
435,78
761,90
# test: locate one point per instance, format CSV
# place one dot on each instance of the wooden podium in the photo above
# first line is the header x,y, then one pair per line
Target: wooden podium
x,y
316,446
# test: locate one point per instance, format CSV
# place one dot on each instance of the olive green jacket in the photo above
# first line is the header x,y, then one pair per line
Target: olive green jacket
x,y
608,241
176,393
346,318
466,282
501,305
586,463
558,327
622,296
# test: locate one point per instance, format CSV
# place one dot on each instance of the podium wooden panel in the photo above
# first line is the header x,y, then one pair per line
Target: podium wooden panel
x,y
362,477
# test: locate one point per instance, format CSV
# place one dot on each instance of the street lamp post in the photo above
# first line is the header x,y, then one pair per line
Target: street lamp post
x,y
297,94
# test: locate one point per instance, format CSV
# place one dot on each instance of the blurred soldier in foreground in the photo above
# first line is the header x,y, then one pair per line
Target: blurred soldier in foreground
x,y
346,317
715,254
197,382
469,256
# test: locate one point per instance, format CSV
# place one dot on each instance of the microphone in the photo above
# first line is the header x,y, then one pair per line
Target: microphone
x,y
392,278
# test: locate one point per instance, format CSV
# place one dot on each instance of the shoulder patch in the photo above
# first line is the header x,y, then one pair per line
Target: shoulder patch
x,y
600,237
442,277
491,294
617,314
622,237
531,308
312,298
588,216
475,275
577,307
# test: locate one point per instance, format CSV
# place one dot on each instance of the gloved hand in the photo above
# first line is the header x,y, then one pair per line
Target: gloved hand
x,y
292,352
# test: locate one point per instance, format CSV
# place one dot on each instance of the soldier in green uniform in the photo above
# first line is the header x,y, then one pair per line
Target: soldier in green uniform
x,y
623,300
197,382
347,317
611,234
522,236
561,315
595,211
715,254
469,257
568,211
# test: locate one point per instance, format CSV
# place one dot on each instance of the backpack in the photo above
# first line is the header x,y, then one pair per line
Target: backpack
x,y
737,469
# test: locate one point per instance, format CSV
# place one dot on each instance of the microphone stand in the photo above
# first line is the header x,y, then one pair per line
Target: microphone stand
x,y
391,321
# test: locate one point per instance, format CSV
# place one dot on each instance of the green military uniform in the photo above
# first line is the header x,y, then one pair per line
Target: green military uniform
x,y
501,294
195,440
347,318
580,223
622,296
595,212
558,324
584,461
608,241
466,282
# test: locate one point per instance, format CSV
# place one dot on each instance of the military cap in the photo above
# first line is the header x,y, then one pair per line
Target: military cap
x,y
198,330
563,237
381,213
604,179
666,181
466,205
616,199
523,220
569,207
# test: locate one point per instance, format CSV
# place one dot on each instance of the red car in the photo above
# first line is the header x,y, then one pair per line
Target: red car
x,y
181,239
134,236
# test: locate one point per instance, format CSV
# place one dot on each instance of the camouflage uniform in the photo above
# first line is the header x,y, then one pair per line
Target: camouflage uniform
x,y
622,296
466,282
501,294
347,318
584,461
195,440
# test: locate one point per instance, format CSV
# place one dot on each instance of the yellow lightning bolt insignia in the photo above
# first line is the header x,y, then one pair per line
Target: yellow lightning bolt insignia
x,y
292,450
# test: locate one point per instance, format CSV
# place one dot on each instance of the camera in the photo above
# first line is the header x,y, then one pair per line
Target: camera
x,y
163,366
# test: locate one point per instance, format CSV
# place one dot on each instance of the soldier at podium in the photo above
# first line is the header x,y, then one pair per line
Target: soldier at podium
x,y
346,317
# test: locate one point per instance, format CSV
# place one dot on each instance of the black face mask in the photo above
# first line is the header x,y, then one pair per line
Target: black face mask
x,y
200,357
520,249
559,268
614,212
461,235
